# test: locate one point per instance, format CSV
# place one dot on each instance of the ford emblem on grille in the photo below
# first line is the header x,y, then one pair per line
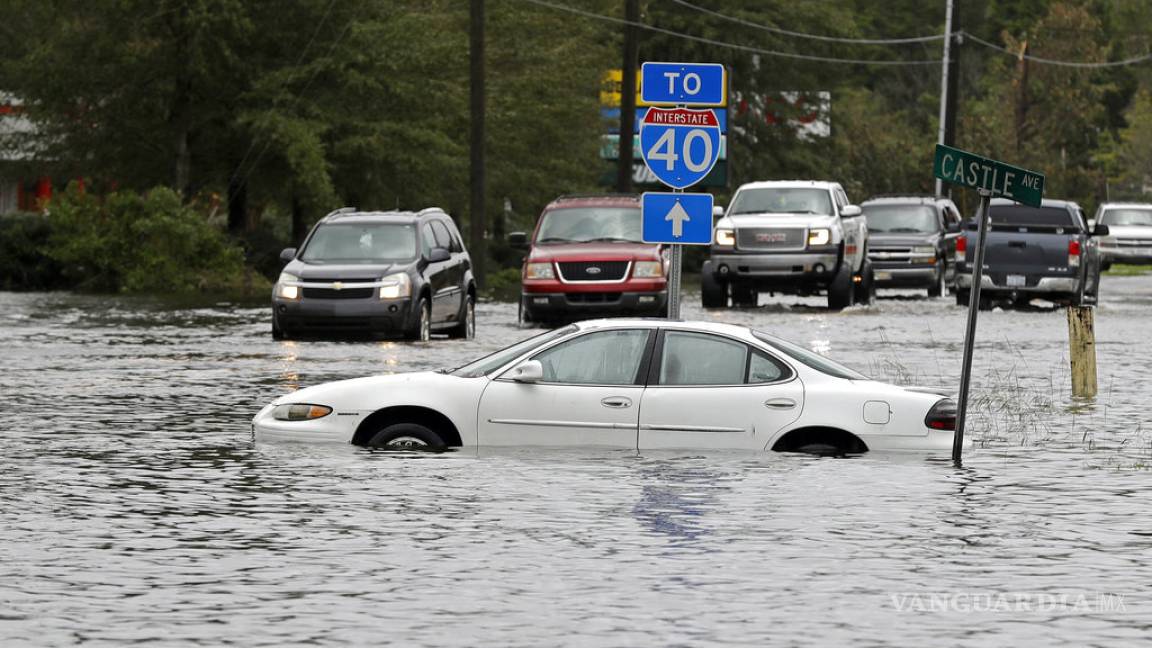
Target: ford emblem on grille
x,y
592,270
772,237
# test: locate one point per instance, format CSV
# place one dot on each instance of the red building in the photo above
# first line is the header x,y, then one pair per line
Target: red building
x,y
20,190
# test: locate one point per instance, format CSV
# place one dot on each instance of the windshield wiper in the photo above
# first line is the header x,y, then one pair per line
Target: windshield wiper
x,y
555,239
905,230
613,239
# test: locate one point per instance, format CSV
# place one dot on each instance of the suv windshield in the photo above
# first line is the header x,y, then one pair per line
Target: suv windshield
x,y
584,224
1127,217
361,243
774,200
901,218
810,358
492,362
1024,215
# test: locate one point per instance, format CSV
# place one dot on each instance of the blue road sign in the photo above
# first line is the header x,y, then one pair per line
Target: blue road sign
x,y
677,218
692,84
680,145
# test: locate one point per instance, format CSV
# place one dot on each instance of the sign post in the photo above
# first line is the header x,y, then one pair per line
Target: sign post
x,y
989,178
680,146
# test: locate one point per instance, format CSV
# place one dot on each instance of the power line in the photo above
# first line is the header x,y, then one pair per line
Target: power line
x,y
1075,64
709,41
828,39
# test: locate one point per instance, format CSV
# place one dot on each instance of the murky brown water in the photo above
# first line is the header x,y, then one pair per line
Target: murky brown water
x,y
134,507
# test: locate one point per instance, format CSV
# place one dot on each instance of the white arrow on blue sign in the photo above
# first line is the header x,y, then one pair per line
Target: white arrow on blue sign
x,y
690,84
680,145
676,218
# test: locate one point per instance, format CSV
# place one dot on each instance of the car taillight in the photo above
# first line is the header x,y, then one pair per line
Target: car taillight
x,y
1073,253
961,248
942,416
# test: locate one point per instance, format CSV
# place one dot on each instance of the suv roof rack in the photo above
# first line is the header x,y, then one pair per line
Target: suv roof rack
x,y
908,195
335,213
606,194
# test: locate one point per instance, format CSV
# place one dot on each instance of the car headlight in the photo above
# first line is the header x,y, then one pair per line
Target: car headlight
x,y
648,269
300,412
819,236
395,286
539,271
285,291
923,250
725,237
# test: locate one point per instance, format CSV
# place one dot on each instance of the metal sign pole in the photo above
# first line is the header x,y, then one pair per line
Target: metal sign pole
x,y
982,223
674,281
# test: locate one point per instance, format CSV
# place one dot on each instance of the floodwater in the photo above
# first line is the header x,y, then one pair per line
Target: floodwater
x,y
134,507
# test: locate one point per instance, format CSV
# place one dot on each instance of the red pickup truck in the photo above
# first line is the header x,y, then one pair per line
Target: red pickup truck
x,y
586,259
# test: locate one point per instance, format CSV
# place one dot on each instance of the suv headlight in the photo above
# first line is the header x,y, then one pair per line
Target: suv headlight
x,y
539,271
819,236
923,250
395,286
648,269
287,292
725,237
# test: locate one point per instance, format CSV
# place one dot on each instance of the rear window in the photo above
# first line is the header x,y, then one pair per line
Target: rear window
x,y
1127,217
1024,215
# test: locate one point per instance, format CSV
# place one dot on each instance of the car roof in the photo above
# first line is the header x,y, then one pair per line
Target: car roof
x,y
595,200
790,184
909,198
352,215
1141,205
661,322
1047,202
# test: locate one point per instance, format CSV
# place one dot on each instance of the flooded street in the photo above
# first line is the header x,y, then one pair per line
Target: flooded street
x,y
135,507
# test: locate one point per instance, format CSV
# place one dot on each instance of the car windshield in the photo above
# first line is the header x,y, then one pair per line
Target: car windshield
x,y
1024,215
584,224
492,362
912,219
361,243
810,358
1127,217
773,200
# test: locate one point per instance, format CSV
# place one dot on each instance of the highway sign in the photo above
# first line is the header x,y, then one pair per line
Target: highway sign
x,y
692,84
676,218
680,145
971,170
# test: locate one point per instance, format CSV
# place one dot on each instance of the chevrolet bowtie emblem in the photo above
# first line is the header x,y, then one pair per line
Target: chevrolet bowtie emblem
x,y
338,286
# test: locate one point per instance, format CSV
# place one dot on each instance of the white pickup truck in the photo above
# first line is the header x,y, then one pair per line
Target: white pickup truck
x,y
796,237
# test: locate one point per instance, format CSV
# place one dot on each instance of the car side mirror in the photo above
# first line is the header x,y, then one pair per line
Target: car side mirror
x,y
287,254
529,371
439,254
518,240
952,228
851,211
718,211
1101,230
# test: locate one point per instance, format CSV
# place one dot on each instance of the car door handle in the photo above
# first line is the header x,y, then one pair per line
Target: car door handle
x,y
618,402
1017,244
780,403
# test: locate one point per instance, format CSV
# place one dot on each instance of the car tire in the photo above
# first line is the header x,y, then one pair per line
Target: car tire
x,y
277,332
466,329
713,294
1105,266
841,289
940,285
744,296
962,296
523,315
422,328
865,291
407,436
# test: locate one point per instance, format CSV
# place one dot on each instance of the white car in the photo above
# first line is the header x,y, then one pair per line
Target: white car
x,y
629,383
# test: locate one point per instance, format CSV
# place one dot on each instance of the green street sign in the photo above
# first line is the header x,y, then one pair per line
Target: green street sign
x,y
971,170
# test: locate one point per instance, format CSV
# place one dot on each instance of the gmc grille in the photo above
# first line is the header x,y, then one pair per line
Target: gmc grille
x,y
774,238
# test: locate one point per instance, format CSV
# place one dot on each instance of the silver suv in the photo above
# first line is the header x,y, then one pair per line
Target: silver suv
x,y
797,237
1129,238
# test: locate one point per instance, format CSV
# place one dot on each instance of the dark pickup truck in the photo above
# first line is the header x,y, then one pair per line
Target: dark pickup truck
x,y
1043,252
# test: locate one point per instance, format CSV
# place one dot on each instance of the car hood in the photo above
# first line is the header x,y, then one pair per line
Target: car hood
x,y
778,220
371,392
1130,231
332,272
882,238
594,252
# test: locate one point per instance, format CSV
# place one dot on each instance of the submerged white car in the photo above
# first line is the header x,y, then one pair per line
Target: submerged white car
x,y
629,383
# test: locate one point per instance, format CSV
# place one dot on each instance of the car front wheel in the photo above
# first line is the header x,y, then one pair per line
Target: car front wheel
x,y
466,329
422,328
841,288
407,436
713,294
940,285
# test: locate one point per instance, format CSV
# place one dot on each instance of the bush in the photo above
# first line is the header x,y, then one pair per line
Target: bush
x,y
152,243
23,266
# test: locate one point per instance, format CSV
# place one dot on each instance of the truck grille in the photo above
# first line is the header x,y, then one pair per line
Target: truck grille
x,y
774,238
891,254
593,270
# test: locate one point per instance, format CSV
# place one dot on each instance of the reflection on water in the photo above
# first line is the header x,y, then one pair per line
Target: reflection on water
x,y
136,509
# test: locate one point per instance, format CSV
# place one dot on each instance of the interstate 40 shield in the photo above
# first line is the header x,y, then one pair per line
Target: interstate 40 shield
x,y
680,145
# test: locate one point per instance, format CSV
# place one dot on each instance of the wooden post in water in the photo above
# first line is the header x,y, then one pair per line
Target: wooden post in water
x,y
1082,350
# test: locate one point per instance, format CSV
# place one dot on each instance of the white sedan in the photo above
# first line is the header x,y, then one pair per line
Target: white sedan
x,y
630,383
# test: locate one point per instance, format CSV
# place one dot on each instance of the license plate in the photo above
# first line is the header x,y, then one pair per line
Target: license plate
x,y
883,276
1014,280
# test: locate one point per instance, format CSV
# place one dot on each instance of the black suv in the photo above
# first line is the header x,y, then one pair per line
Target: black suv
x,y
378,273
912,241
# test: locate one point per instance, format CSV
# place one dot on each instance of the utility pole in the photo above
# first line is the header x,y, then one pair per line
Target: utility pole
x,y
478,223
628,96
944,86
